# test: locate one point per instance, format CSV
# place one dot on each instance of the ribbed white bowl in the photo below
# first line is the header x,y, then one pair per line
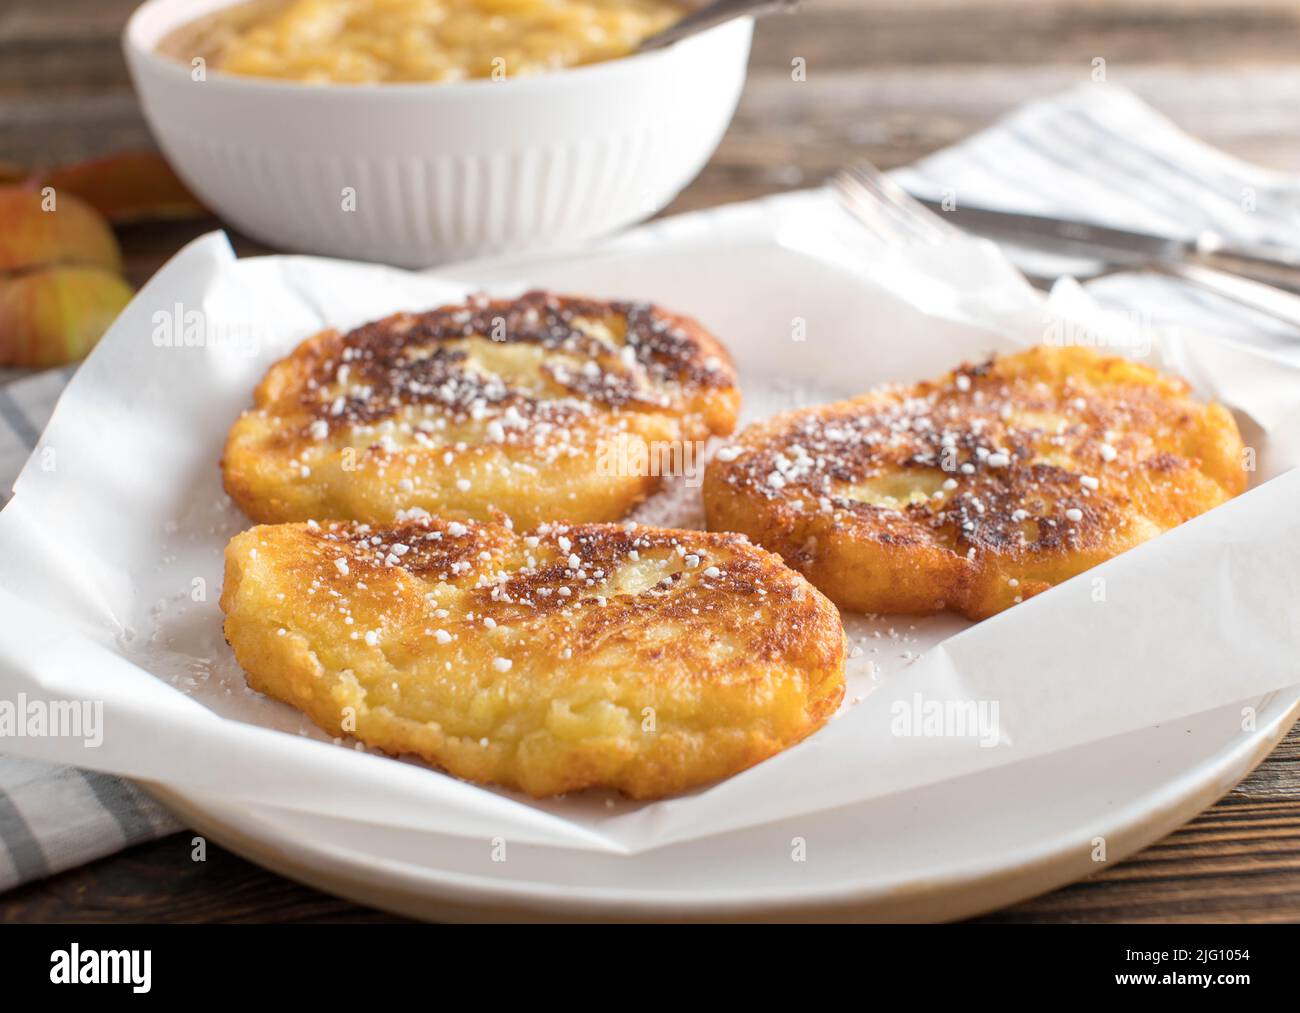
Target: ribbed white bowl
x,y
439,171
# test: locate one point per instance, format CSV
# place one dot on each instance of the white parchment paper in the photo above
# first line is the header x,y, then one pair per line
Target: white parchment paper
x,y
111,549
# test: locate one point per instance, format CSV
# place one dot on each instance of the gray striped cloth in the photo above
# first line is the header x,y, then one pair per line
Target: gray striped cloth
x,y
53,817
1100,154
1096,152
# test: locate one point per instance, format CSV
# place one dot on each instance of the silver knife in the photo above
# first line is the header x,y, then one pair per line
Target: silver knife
x,y
1263,279
1277,265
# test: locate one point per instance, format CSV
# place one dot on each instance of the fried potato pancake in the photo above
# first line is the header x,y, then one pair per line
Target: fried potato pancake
x,y
641,659
542,408
983,488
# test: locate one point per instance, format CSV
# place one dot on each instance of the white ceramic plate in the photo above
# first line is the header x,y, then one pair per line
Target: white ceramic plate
x,y
949,851
946,851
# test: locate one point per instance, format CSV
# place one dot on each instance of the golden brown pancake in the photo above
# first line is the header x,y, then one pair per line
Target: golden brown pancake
x,y
640,659
541,408
978,490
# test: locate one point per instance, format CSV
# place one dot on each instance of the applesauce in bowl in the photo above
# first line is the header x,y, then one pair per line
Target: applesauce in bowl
x,y
422,172
408,41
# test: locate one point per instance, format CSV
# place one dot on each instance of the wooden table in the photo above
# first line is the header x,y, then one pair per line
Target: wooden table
x,y
889,80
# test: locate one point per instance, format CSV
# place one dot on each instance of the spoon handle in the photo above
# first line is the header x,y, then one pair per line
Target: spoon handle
x,y
714,14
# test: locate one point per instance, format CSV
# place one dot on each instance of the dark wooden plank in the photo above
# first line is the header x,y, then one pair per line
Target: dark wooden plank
x,y
145,248
853,33
1237,862
158,882
849,34
913,76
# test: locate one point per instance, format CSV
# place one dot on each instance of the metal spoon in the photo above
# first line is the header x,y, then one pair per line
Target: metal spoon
x,y
714,14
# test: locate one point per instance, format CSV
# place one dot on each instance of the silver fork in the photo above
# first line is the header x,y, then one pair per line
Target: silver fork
x,y
887,210
893,215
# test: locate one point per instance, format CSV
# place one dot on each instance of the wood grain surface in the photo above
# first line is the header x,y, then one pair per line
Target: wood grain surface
x,y
889,80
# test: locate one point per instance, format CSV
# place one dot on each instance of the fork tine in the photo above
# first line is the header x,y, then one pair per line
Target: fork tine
x,y
864,183
913,224
902,224
896,197
881,218
868,211
885,188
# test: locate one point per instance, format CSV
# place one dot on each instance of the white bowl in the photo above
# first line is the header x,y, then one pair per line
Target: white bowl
x,y
439,171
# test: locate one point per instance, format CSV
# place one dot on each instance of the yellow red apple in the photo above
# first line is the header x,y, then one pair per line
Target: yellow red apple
x,y
60,277
53,315
130,187
43,227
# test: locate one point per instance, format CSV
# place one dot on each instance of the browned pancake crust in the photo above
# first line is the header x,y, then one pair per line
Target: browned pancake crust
x,y
983,488
640,659
478,410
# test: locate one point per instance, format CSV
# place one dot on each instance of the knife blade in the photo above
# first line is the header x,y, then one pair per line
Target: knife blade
x,y
1276,264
